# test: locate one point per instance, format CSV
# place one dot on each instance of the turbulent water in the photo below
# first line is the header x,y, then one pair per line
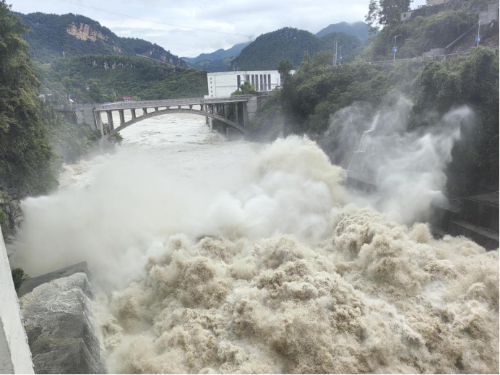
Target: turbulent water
x,y
216,256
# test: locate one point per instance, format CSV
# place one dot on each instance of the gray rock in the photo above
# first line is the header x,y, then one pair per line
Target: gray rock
x,y
28,285
57,317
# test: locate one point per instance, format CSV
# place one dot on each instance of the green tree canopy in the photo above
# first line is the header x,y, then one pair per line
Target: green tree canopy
x,y
25,154
385,12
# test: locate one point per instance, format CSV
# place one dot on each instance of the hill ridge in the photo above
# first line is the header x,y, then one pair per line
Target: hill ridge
x,y
52,36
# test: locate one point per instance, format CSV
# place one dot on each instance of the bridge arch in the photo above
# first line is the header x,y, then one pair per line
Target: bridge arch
x,y
167,111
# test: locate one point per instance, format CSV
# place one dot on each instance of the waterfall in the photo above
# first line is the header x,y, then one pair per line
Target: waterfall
x,y
362,144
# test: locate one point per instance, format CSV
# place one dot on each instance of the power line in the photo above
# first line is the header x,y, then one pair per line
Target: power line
x,y
147,20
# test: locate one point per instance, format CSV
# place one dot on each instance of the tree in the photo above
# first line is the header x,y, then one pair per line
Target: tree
x,y
307,58
284,68
95,92
245,89
385,12
25,154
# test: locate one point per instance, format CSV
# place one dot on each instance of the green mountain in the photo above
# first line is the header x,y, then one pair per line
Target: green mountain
x,y
102,78
289,43
358,29
52,35
217,61
217,55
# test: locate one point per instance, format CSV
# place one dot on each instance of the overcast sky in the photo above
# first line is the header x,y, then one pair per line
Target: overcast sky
x,y
235,21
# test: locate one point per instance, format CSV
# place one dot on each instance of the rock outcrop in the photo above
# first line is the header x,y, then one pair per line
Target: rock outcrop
x,y
58,320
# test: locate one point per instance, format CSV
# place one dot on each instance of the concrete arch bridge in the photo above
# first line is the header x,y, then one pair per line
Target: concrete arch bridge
x,y
244,106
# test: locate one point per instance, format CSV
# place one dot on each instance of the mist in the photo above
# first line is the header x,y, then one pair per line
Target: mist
x,y
407,167
135,202
211,256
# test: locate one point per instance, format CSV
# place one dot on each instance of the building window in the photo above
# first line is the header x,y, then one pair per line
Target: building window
x,y
261,83
265,82
238,81
247,78
253,80
269,82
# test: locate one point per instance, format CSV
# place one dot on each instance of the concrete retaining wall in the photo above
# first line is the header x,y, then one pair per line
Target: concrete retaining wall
x,y
86,115
15,355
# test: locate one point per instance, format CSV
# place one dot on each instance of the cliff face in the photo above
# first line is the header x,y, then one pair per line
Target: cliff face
x,y
85,32
53,36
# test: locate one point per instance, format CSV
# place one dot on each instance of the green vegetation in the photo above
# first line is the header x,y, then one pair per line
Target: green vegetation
x,y
385,12
220,65
269,49
4,223
25,153
108,78
473,81
360,30
34,140
421,34
245,89
99,66
49,37
18,276
316,91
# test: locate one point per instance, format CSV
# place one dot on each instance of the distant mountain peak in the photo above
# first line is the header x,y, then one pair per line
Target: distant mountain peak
x,y
358,29
217,60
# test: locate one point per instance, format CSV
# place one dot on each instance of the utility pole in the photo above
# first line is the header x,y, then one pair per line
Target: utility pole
x,y
478,37
394,49
340,57
335,56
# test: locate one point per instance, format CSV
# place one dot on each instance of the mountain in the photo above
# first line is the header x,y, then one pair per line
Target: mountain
x,y
217,61
101,78
217,55
288,43
52,35
358,29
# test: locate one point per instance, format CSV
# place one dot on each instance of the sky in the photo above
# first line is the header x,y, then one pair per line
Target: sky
x,y
190,27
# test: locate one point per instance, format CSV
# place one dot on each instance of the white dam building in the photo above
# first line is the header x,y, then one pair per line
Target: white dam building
x,y
223,84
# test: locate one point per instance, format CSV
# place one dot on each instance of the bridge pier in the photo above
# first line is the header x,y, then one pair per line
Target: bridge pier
x,y
132,111
98,122
110,120
210,124
236,117
122,117
245,115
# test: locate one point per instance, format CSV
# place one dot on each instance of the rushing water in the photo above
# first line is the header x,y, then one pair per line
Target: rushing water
x,y
216,256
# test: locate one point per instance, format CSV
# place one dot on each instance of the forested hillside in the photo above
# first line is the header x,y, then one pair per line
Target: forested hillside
x,y
34,140
102,78
360,30
289,44
422,34
98,66
50,35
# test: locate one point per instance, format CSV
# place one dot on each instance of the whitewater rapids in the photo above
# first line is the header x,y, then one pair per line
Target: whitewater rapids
x,y
240,258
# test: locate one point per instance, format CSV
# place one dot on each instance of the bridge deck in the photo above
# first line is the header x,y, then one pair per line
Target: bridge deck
x,y
170,103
